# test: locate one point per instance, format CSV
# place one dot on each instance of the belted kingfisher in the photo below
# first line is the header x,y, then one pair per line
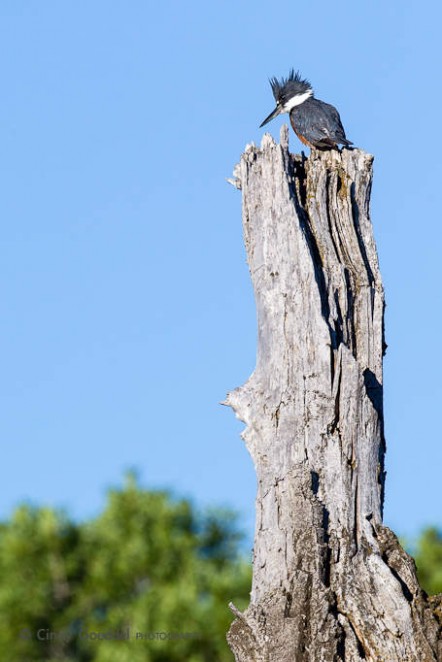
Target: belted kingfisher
x,y
316,123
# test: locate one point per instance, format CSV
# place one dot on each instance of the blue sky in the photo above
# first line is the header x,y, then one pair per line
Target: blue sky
x,y
126,307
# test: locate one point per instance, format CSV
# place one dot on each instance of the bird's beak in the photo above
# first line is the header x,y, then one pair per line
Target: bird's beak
x,y
272,115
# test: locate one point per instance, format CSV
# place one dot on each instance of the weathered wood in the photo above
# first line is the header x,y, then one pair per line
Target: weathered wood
x,y
330,582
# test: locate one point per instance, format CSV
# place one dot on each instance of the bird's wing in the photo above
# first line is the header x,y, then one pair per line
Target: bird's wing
x,y
319,123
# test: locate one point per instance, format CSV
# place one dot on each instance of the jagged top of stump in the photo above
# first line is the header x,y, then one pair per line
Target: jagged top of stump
x,y
348,158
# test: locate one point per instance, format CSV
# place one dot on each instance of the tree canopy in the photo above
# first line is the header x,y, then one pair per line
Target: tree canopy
x,y
147,580
428,557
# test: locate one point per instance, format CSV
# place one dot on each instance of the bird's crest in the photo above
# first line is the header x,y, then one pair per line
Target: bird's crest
x,y
286,88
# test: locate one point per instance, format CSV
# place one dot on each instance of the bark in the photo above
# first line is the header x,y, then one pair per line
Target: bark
x,y
330,581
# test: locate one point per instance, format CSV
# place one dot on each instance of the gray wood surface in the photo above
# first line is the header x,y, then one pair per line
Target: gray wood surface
x,y
330,582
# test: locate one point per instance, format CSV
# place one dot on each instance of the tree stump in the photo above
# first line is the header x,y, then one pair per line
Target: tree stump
x,y
330,581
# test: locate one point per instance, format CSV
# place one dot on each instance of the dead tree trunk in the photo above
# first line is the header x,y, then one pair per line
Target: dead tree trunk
x,y
330,582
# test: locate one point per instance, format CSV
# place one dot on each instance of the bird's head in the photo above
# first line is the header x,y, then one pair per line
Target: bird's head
x,y
288,92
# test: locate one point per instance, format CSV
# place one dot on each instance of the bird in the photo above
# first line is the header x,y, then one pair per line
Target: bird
x,y
316,123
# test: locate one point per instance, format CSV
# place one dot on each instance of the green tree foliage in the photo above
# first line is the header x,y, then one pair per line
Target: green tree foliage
x,y
428,557
148,580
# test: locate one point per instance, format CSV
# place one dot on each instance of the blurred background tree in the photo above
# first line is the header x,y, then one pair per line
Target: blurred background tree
x,y
148,564
428,557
